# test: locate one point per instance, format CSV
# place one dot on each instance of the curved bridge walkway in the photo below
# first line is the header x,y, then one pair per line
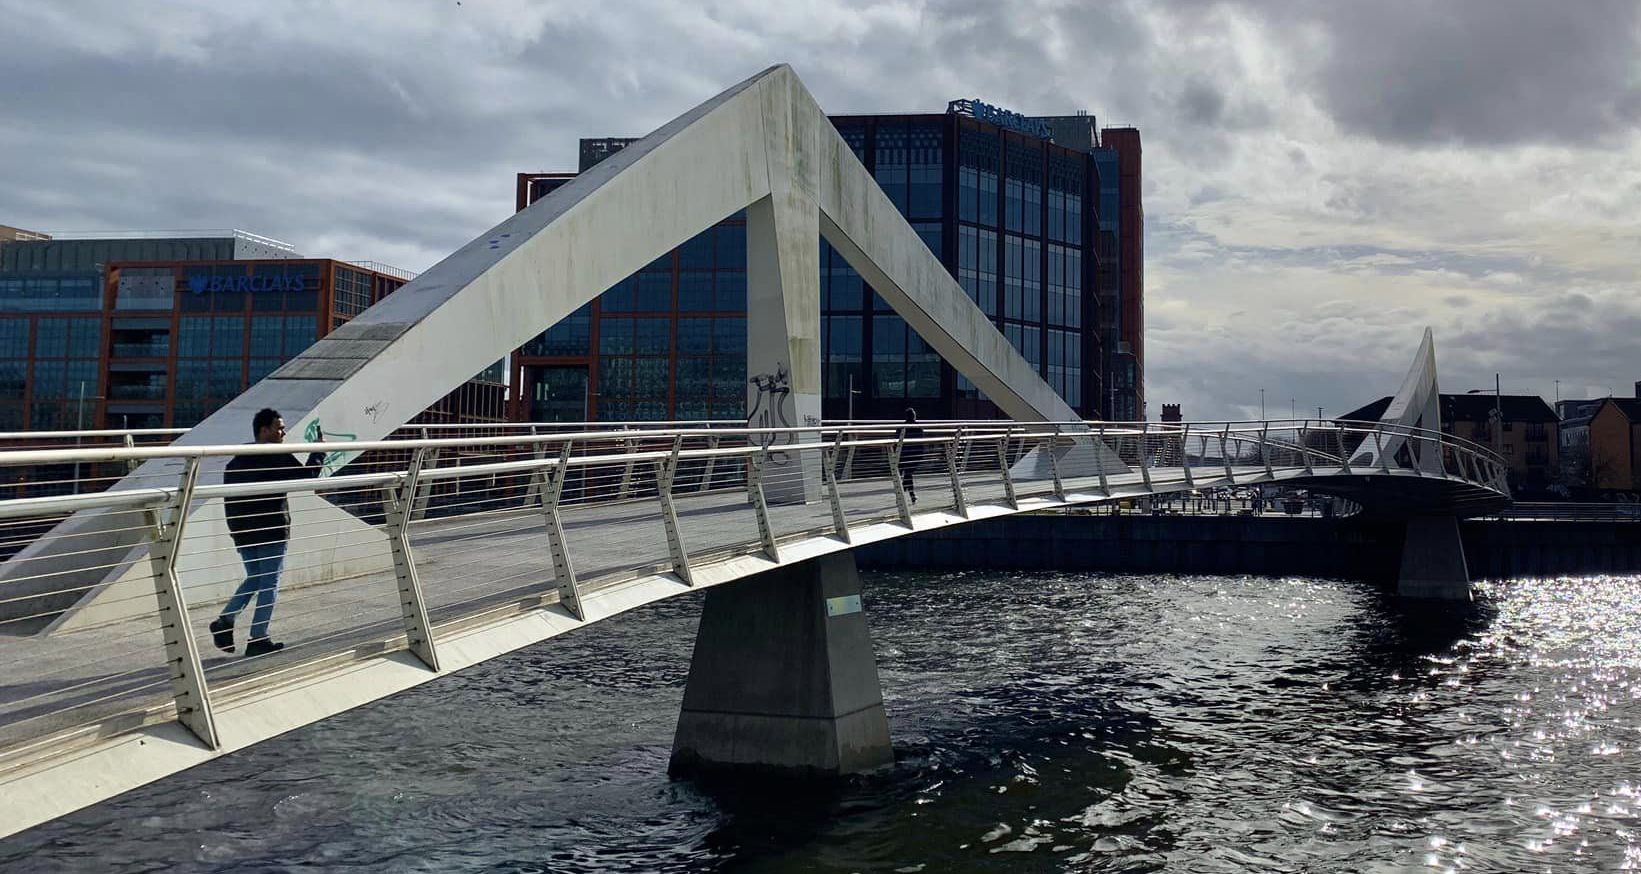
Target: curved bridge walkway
x,y
457,549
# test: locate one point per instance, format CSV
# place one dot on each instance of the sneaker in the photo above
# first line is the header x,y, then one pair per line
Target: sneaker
x,y
222,633
261,646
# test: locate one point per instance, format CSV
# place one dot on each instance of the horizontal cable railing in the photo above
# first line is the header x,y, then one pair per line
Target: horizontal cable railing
x,y
108,597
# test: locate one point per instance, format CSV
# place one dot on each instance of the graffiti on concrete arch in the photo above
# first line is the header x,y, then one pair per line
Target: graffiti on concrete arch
x,y
333,461
773,407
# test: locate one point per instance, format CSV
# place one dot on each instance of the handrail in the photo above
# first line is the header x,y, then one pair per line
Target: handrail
x,y
119,452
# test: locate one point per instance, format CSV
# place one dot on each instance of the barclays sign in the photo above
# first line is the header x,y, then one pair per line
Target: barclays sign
x,y
202,284
982,111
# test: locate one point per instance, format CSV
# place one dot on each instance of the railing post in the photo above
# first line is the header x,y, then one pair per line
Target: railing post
x,y
412,606
840,522
131,464
1379,450
626,472
424,492
1003,444
188,686
1099,434
1344,456
1305,448
712,462
1225,454
901,504
760,506
569,591
1265,449
538,477
849,460
1185,454
1145,463
1054,464
953,450
669,514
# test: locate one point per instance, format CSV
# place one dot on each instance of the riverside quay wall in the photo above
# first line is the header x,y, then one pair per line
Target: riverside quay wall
x,y
1266,545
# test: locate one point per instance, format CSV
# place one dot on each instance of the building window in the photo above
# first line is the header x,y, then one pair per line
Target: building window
x,y
47,293
572,336
977,167
1065,373
842,366
1022,279
977,266
841,287
1065,281
352,293
145,288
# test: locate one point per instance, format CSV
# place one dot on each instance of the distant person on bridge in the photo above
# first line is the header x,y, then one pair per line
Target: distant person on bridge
x,y
910,455
261,530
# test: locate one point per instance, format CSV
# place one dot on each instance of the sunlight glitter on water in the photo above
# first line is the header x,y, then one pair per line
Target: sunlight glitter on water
x,y
1060,722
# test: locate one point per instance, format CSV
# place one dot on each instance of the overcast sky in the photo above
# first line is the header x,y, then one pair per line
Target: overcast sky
x,y
1322,180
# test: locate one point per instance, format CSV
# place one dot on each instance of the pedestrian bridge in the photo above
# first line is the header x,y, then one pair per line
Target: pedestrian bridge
x,y
463,548
420,553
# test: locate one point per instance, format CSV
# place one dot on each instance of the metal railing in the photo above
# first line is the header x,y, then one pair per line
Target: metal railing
x,y
439,528
1569,511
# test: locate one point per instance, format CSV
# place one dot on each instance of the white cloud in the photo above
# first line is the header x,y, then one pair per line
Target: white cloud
x,y
1309,209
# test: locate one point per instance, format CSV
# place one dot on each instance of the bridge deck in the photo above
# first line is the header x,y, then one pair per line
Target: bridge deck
x,y
610,543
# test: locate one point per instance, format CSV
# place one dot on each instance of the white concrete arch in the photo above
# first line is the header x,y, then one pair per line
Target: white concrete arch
x,y
763,145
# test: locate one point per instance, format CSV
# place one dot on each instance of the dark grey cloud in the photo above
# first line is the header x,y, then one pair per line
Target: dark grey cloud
x,y
392,129
1478,71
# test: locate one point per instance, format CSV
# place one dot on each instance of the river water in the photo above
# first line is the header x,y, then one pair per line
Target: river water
x,y
1042,722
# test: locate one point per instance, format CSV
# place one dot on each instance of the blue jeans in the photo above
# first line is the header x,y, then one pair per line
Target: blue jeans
x,y
262,563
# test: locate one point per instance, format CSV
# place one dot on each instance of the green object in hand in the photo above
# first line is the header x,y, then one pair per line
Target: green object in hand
x,y
313,432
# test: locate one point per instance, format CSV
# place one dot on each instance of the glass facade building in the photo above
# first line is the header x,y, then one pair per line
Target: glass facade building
x,y
1013,215
151,332
1121,274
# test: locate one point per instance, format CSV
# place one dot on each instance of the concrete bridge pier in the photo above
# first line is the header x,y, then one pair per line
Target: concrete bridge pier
x,y
1433,564
784,680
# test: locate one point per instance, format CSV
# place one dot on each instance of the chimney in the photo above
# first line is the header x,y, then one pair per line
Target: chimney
x,y
1170,412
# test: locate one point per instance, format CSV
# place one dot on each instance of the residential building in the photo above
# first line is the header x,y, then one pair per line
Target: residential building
x,y
1009,204
1574,416
1527,434
1615,444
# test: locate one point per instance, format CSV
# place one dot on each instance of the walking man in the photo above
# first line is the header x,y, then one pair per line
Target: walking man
x,y
910,455
261,529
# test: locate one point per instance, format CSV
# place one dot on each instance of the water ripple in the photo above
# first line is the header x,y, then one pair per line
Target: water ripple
x,y
1043,722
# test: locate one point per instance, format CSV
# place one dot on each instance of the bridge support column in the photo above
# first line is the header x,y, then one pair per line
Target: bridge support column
x,y
784,679
1433,563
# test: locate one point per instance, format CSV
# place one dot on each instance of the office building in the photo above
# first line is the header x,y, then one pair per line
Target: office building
x,y
1007,203
160,331
1121,281
9,233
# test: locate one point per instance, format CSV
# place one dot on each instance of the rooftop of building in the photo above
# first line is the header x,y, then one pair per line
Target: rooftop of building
x,y
12,234
182,234
1630,407
1471,408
